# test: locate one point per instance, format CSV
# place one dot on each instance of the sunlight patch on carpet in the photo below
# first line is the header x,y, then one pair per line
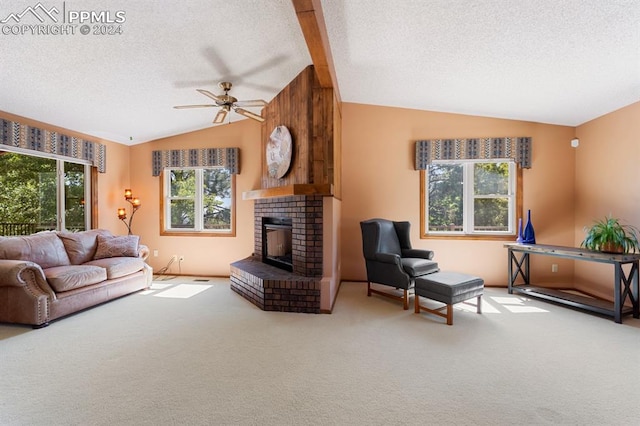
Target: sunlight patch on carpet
x,y
155,287
487,308
524,309
183,291
508,300
517,305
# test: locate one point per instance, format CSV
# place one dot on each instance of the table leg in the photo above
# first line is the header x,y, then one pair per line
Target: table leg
x,y
617,294
510,271
521,268
626,285
635,293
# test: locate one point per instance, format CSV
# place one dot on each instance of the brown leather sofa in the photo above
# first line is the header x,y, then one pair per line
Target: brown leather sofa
x,y
49,275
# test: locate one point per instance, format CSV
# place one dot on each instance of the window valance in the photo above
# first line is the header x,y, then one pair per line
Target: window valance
x,y
516,148
18,135
228,158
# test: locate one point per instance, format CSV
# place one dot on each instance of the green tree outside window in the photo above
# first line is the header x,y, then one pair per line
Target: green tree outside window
x,y
200,199
466,197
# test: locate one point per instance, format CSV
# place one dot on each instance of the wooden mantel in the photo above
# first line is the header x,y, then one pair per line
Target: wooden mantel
x,y
289,190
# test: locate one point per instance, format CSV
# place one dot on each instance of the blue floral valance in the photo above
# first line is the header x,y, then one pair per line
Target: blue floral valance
x,y
228,158
516,148
18,135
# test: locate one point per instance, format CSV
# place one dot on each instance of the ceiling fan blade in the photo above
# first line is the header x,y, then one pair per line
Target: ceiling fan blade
x,y
249,114
251,103
220,116
193,106
211,95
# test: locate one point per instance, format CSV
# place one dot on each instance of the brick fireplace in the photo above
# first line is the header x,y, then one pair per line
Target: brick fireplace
x,y
275,289
305,194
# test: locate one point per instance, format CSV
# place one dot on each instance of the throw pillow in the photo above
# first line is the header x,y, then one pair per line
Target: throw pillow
x,y
125,246
81,246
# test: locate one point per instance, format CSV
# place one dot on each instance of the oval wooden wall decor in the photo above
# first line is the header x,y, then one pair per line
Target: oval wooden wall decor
x,y
279,150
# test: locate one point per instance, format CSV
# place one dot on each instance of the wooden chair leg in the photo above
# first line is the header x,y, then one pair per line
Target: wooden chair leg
x,y
416,304
404,298
449,314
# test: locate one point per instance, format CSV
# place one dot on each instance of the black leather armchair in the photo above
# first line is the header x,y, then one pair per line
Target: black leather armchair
x,y
389,258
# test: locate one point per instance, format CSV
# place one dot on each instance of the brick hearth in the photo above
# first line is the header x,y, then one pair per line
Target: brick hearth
x,y
274,289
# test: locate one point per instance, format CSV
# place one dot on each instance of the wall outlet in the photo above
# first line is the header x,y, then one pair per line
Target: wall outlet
x,y
554,267
155,253
181,258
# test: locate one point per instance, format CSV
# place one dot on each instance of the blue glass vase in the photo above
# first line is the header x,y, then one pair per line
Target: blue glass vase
x,y
519,238
529,235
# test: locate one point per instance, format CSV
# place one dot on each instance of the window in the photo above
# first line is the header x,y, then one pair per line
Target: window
x,y
41,193
470,198
199,201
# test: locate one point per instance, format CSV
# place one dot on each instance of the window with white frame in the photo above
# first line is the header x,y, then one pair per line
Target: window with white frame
x,y
43,192
199,200
469,198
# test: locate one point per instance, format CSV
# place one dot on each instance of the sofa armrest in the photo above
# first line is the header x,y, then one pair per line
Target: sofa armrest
x,y
29,275
25,295
143,252
419,253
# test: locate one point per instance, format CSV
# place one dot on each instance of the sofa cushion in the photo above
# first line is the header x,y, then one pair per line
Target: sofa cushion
x,y
65,278
44,248
117,267
125,246
81,246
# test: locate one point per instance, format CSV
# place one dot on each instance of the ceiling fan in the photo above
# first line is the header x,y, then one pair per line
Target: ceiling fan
x,y
227,103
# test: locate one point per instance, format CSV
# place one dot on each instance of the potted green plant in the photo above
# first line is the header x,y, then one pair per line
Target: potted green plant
x,y
610,236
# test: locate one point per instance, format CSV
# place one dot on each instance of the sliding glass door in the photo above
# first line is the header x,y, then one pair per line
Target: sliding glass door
x,y
41,194
75,196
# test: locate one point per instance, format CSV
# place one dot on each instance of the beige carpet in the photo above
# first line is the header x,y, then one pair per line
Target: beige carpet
x,y
196,353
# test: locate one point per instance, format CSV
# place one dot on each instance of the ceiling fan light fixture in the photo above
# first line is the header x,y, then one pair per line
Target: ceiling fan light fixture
x,y
220,116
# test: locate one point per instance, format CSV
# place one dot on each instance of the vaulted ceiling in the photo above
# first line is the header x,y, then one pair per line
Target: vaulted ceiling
x,y
552,61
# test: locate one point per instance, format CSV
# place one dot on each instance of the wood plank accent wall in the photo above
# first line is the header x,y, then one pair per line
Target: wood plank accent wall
x,y
337,148
307,110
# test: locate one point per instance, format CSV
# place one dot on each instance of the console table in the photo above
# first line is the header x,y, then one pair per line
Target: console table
x,y
625,285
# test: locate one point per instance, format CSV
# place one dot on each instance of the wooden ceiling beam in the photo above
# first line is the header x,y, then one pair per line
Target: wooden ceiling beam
x,y
313,27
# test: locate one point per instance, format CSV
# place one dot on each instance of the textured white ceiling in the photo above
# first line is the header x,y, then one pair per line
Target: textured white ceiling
x,y
552,61
123,87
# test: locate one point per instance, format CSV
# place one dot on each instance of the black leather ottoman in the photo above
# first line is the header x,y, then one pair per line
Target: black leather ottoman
x,y
449,288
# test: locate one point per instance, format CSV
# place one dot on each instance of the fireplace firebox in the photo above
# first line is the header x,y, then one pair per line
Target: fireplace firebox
x,y
277,244
274,289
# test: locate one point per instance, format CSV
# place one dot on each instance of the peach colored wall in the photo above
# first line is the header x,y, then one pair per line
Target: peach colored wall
x,y
379,180
208,256
110,184
607,177
331,253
